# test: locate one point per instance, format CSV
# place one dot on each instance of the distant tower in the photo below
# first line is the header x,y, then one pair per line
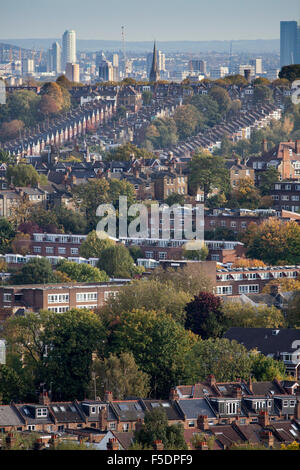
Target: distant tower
x,y
154,74
69,48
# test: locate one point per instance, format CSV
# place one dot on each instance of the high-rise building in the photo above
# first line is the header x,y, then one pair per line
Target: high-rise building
x,y
288,42
106,71
257,64
219,72
154,75
161,61
73,72
55,58
68,48
27,66
251,68
198,66
298,44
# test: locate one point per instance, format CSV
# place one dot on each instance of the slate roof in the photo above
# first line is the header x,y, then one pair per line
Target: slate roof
x,y
192,408
9,417
264,340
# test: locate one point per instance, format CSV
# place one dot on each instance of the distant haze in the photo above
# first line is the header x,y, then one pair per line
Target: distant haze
x,y
255,46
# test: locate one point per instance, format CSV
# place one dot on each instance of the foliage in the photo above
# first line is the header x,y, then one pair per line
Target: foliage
x,y
22,175
293,312
190,279
46,220
204,316
116,261
247,316
161,133
156,428
207,172
36,271
187,120
121,376
93,246
81,272
290,72
159,345
7,234
246,194
150,294
10,385
124,152
71,221
274,242
21,244
197,255
208,108
286,284
266,369
226,360
248,263
175,198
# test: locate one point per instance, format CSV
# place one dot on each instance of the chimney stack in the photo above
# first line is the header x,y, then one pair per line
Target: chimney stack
x,y
211,380
158,445
202,422
263,419
103,419
202,446
44,398
108,396
267,438
112,444
173,394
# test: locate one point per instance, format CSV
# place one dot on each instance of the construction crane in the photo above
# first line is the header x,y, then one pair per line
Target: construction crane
x,y
40,56
230,60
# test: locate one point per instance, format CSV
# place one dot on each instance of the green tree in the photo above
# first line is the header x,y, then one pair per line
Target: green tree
x,y
156,428
82,272
222,97
204,316
45,219
159,345
187,119
7,234
207,172
22,175
147,97
267,369
162,133
290,72
10,385
226,360
267,180
175,198
293,311
93,246
121,376
116,262
71,221
262,94
124,153
247,316
151,294
197,255
36,271
191,279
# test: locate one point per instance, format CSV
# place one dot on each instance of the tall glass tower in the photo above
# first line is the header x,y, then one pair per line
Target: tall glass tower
x,y
288,43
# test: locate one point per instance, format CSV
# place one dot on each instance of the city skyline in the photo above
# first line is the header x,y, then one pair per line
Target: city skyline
x,y
191,21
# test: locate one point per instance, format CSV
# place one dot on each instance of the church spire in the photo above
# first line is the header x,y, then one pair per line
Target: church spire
x,y
154,74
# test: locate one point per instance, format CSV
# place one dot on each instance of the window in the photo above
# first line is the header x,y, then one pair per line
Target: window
x,y
232,408
86,297
112,426
191,424
58,298
224,290
74,251
37,249
162,255
31,427
49,249
7,298
41,412
149,254
110,294
125,427
250,289
61,251
93,409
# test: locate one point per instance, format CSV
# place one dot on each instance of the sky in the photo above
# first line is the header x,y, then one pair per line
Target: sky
x,y
164,20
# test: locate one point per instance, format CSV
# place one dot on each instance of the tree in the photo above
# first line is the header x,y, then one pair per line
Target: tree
x,y
151,294
159,345
46,220
285,283
147,97
48,106
197,255
81,272
161,133
124,153
7,234
266,369
53,91
36,271
207,172
72,222
226,360
274,242
267,180
247,316
293,311
207,107
290,72
5,157
135,252
187,119
121,376
246,194
175,198
204,316
21,244
10,385
93,246
262,94
116,262
156,428
249,263
222,97
191,279
11,130
22,175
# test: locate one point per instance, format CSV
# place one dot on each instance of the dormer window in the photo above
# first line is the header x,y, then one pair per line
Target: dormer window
x,y
93,409
41,412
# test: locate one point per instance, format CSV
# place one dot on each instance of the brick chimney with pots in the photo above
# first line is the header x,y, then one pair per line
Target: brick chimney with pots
x,y
108,396
112,444
211,380
103,419
158,445
263,419
173,394
202,446
202,422
267,438
44,398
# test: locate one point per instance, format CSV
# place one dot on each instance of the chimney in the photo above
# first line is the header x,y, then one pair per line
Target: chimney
x,y
286,154
112,444
173,394
54,441
298,147
158,445
202,446
10,440
263,419
44,398
237,393
211,380
265,146
202,422
297,410
108,396
267,438
103,419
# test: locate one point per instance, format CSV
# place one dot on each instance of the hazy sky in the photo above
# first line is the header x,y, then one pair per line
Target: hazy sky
x,y
164,20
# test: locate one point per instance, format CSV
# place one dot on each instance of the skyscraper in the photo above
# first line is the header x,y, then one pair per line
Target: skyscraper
x,y
55,58
154,73
106,71
73,72
69,48
288,42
